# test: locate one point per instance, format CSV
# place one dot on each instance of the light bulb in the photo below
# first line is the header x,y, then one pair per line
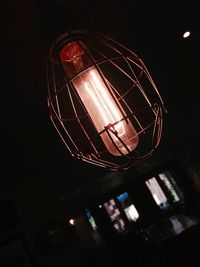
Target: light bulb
x,y
105,111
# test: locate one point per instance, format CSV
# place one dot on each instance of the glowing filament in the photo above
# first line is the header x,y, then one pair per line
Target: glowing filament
x,y
103,102
106,113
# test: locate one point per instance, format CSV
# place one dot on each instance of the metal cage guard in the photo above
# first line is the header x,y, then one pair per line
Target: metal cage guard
x,y
131,88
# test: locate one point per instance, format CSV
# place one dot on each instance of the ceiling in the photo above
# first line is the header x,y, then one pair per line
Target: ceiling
x,y
31,147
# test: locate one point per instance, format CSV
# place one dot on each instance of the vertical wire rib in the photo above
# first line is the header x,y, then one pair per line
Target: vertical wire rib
x,y
133,79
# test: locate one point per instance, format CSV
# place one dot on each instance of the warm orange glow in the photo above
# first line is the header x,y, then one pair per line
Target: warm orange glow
x,y
103,108
71,51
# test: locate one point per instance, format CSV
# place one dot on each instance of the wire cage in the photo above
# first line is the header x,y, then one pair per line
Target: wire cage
x,y
102,100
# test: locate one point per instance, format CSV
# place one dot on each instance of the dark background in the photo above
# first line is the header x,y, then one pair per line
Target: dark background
x,y
153,31
38,176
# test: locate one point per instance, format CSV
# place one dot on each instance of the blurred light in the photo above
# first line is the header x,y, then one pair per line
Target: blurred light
x,y
186,34
71,221
131,213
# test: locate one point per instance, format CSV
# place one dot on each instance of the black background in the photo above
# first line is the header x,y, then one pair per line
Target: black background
x,y
30,145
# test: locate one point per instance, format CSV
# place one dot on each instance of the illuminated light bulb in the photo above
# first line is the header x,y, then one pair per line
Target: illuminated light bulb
x,y
102,100
105,111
